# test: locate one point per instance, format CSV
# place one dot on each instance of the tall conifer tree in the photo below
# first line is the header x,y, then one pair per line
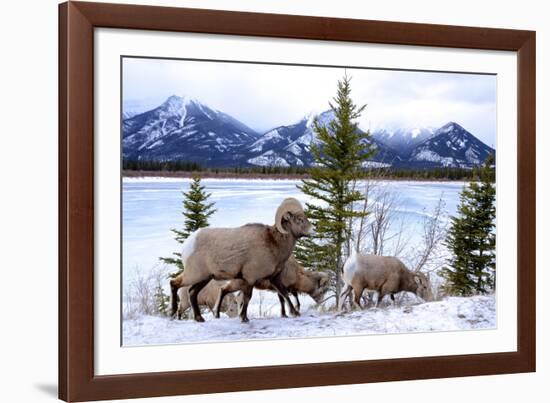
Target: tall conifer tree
x,y
339,154
471,238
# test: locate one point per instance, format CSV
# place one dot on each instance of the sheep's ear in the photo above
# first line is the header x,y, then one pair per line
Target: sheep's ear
x,y
417,279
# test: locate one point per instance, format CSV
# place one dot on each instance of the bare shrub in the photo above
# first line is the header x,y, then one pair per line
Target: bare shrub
x,y
139,292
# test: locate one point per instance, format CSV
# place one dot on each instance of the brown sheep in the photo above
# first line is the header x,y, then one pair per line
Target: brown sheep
x,y
246,254
207,297
298,280
384,274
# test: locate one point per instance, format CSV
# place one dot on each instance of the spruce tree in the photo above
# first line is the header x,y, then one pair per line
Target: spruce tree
x,y
196,211
471,238
339,153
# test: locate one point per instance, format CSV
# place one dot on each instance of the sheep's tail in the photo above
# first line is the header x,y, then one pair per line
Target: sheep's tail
x,y
188,247
350,267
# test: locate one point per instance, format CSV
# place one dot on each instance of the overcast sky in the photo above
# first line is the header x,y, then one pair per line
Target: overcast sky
x,y
266,96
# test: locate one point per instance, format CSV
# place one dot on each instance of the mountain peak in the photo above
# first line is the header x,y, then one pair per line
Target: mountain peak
x,y
451,126
179,101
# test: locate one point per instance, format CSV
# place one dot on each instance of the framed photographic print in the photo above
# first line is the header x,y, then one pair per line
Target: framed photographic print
x,y
241,191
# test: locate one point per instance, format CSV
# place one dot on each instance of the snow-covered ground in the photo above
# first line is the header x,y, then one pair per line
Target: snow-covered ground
x,y
451,314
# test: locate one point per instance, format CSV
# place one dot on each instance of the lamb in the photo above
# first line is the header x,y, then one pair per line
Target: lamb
x,y
208,296
384,274
242,256
298,280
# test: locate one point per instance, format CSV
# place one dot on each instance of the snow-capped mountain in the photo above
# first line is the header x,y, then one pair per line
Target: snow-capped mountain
x,y
291,145
186,129
183,128
451,146
403,140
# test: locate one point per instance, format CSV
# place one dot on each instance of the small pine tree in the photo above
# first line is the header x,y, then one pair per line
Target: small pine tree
x,y
339,155
471,238
196,211
161,300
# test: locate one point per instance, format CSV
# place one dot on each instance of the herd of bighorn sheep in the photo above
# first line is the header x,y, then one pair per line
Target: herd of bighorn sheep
x,y
221,261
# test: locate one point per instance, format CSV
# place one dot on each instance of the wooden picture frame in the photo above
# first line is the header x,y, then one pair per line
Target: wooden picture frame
x,y
77,21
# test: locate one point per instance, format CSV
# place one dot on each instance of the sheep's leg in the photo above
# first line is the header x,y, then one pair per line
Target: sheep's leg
x,y
282,302
345,294
381,296
193,294
357,292
218,305
283,292
295,293
174,287
183,304
229,287
350,297
247,294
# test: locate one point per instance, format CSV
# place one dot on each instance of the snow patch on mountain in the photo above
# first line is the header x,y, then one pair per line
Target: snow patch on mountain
x,y
269,158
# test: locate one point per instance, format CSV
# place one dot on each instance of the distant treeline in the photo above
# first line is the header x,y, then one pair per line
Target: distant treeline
x,y
187,166
437,173
390,173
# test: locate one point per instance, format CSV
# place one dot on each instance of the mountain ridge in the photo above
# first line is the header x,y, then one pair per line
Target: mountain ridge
x,y
184,128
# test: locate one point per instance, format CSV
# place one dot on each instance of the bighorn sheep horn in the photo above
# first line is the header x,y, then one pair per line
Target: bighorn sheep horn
x,y
288,205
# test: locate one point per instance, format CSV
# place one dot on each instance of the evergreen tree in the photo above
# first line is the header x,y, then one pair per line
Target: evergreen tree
x,y
196,211
161,300
339,155
471,238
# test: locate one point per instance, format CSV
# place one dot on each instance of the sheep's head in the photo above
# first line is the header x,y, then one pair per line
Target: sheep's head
x,y
424,289
290,218
322,285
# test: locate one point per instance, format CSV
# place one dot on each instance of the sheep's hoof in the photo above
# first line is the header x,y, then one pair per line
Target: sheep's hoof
x,y
244,320
199,319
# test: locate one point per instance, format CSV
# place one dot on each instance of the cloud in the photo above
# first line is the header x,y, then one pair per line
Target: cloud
x,y
265,96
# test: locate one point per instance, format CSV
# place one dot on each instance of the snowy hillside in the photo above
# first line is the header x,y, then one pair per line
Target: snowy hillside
x,y
403,140
452,314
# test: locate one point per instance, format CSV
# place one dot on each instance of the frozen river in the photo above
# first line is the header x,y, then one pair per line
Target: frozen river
x,y
152,206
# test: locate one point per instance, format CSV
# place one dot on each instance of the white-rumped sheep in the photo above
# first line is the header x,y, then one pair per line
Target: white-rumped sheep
x,y
208,296
297,280
383,274
244,255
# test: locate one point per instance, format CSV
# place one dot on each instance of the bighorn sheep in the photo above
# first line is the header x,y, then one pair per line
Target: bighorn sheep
x,y
384,274
296,279
243,256
208,296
